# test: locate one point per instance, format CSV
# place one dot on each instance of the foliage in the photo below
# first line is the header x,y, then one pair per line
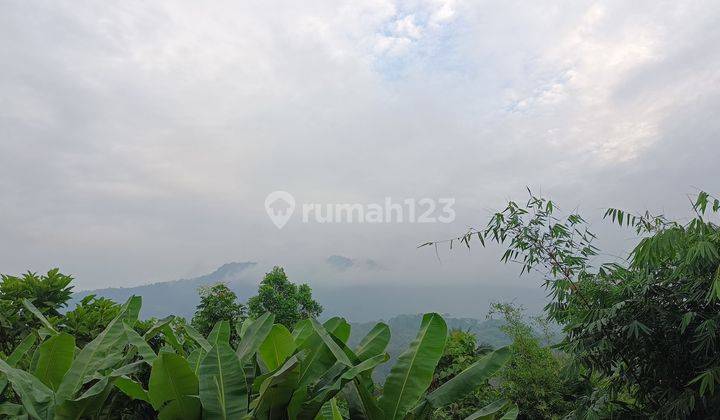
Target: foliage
x,y
48,293
138,369
287,301
62,383
534,378
461,351
271,373
91,315
217,303
628,324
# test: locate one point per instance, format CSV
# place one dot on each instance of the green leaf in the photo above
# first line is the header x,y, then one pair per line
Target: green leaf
x,y
35,311
276,390
254,335
173,388
172,339
412,374
220,333
338,327
101,353
21,349
17,354
132,389
314,402
55,357
302,331
37,399
469,379
197,338
157,327
361,403
144,350
324,335
223,392
489,411
13,411
374,343
90,403
511,414
330,411
195,358
277,347
317,357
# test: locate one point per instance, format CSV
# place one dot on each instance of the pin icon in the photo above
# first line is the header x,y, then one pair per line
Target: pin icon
x,y
280,205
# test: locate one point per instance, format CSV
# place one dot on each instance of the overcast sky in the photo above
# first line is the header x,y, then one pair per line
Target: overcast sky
x,y
138,140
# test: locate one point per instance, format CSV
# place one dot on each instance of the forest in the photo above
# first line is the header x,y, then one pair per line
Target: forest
x,y
638,339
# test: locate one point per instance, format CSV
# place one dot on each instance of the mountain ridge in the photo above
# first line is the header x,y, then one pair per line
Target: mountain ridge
x,y
357,302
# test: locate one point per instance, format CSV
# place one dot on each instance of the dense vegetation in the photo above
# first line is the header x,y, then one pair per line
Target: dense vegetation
x,y
642,334
634,339
100,361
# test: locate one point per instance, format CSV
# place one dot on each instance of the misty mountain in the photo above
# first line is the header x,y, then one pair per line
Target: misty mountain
x,y
362,305
179,297
355,302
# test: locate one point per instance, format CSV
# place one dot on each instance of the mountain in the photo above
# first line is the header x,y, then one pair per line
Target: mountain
x,y
355,302
179,297
363,305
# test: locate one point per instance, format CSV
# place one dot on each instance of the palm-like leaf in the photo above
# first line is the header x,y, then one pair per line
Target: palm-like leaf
x,y
222,384
412,374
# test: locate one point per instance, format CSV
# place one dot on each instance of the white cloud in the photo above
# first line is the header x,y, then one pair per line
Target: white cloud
x,y
145,136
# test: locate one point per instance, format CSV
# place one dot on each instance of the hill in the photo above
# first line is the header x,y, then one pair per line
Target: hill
x,y
356,302
179,297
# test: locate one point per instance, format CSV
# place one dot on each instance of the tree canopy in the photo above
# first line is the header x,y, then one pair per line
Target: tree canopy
x,y
287,301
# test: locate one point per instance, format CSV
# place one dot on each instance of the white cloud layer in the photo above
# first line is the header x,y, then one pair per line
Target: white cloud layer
x,y
138,140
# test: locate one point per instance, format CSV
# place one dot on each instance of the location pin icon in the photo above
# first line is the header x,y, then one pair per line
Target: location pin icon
x,y
280,205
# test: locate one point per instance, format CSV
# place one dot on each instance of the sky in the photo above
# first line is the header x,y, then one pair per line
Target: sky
x,y
139,140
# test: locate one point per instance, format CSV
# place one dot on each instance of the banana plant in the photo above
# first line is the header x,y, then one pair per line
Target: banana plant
x,y
66,383
273,373
500,409
404,394
307,382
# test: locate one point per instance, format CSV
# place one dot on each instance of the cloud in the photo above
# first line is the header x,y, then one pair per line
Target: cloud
x,y
139,140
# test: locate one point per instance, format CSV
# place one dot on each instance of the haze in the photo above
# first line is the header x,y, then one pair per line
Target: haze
x,y
138,141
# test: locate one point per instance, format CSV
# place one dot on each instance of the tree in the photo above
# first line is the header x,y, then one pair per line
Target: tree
x,y
217,303
648,329
49,293
89,318
289,302
534,377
